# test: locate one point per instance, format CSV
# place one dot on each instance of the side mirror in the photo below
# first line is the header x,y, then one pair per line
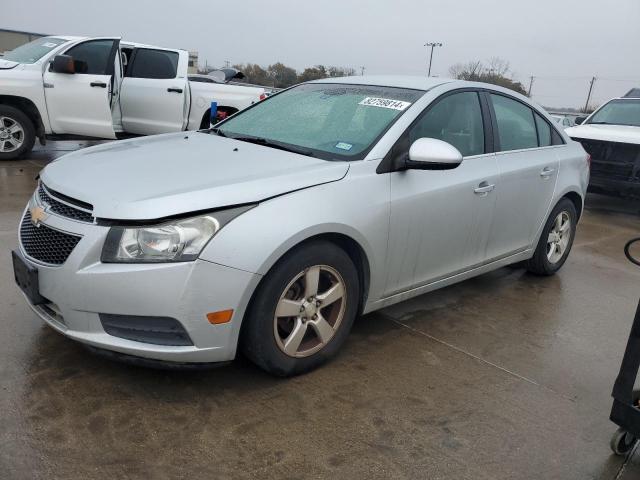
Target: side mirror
x,y
63,64
432,154
580,120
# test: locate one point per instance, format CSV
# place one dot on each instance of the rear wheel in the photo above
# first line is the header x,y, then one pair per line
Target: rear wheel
x,y
17,134
556,240
303,310
622,442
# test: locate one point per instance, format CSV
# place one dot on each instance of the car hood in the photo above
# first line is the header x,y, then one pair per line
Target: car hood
x,y
607,133
165,175
7,64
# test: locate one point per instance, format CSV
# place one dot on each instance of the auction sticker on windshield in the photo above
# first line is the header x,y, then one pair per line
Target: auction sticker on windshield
x,y
385,103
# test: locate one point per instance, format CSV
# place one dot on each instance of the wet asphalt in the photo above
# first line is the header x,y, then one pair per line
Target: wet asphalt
x,y
506,376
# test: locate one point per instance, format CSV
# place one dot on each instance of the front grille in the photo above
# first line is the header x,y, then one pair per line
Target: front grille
x,y
65,209
617,161
154,330
45,244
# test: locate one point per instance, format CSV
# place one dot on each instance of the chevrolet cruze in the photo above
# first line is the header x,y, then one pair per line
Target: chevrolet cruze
x,y
273,230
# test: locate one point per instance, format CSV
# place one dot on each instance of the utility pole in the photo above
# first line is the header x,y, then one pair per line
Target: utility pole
x,y
432,45
227,63
530,85
362,69
586,105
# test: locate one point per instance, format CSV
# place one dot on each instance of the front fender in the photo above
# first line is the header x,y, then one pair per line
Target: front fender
x,y
257,239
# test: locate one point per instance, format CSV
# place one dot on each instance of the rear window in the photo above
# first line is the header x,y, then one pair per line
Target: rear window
x,y
516,125
148,63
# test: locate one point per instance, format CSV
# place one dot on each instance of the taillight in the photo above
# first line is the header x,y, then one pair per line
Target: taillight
x,y
262,96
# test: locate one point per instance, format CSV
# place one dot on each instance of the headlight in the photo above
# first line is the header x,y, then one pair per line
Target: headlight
x,y
173,241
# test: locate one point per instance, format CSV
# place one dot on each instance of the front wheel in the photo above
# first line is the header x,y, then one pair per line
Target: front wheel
x,y
303,310
556,240
17,134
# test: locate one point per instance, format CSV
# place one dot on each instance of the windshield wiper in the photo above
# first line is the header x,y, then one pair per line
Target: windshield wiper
x,y
273,144
218,132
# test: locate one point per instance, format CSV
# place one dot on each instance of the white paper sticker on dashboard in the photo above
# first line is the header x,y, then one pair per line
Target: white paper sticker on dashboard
x,y
385,103
49,45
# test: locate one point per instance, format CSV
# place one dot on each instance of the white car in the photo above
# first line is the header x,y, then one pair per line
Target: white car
x,y
274,230
103,88
611,135
563,120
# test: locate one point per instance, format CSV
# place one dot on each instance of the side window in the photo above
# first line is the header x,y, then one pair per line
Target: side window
x,y
92,57
456,119
148,63
544,131
516,127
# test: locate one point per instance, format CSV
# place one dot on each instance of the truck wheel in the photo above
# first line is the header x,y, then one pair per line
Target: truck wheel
x,y
17,133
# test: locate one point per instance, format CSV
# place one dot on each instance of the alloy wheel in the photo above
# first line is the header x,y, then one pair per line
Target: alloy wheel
x,y
11,135
310,311
559,237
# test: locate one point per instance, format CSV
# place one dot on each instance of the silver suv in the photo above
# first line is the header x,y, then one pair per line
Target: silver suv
x,y
275,229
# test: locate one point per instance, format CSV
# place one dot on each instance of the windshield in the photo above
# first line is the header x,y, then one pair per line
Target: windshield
x,y
329,121
618,112
33,51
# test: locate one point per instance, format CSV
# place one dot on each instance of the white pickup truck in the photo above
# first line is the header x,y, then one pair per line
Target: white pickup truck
x,y
103,88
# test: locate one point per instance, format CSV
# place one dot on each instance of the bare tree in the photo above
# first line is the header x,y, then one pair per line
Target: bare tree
x,y
497,72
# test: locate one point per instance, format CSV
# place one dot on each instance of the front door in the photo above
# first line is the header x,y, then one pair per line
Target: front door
x,y
528,165
80,103
441,219
154,97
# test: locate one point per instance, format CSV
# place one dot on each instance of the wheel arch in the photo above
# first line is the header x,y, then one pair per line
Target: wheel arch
x,y
28,108
576,199
206,117
347,243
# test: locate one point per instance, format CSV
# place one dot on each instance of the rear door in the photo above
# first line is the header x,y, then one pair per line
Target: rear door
x,y
80,103
526,152
154,96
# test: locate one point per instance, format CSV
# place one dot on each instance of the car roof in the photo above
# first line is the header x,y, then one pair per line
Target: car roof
x,y
399,81
418,83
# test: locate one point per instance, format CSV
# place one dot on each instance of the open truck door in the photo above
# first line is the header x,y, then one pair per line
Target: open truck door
x,y
79,88
154,96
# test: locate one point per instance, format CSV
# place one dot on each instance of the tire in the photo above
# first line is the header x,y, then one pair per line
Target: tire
x,y
269,335
24,134
544,261
622,442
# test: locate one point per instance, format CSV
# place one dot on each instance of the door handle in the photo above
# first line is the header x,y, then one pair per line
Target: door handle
x,y
98,84
174,89
547,172
484,188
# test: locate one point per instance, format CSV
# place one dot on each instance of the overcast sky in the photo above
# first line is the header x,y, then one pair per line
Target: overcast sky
x,y
563,43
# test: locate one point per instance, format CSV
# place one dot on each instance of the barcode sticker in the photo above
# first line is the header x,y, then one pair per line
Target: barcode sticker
x,y
385,103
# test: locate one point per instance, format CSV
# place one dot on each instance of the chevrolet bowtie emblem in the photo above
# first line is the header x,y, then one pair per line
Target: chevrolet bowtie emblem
x,y
37,215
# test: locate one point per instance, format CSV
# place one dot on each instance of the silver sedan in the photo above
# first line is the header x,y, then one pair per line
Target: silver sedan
x,y
272,231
